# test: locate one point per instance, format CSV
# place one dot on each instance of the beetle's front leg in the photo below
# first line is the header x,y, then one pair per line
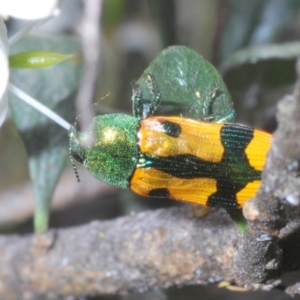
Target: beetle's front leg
x,y
207,109
156,99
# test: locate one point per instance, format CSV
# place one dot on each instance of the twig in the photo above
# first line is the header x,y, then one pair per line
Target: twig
x,y
89,30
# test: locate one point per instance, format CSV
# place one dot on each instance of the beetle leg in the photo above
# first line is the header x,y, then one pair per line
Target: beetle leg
x,y
207,105
230,286
200,211
207,109
137,99
226,117
155,93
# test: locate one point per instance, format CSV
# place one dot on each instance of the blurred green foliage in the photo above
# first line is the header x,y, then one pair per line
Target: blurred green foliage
x,y
45,141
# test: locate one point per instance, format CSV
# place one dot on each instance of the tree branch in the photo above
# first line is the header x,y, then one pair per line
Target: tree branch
x,y
261,255
153,249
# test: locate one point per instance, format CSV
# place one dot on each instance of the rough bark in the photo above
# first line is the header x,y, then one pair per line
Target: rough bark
x,y
131,254
261,256
153,249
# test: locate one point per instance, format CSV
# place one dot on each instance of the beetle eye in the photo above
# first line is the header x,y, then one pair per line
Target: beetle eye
x,y
77,157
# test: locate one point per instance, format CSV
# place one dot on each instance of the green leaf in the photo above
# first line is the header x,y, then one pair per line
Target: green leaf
x,y
186,81
46,142
36,59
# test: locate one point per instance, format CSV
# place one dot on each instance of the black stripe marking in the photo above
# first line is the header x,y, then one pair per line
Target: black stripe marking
x,y
163,192
235,139
233,173
171,128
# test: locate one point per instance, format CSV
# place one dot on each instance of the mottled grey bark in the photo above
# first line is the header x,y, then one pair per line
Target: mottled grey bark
x,y
153,249
261,257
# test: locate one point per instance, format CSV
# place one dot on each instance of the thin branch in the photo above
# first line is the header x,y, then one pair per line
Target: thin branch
x,y
89,30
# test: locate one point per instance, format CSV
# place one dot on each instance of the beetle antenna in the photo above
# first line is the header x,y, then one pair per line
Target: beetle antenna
x,y
102,98
89,108
74,166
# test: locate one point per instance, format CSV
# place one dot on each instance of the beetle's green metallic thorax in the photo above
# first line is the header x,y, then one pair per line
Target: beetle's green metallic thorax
x,y
110,150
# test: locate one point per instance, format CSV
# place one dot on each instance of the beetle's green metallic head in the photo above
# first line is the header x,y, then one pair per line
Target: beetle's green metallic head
x,y
110,150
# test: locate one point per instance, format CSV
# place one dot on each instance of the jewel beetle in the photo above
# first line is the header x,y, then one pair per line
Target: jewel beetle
x,y
213,164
